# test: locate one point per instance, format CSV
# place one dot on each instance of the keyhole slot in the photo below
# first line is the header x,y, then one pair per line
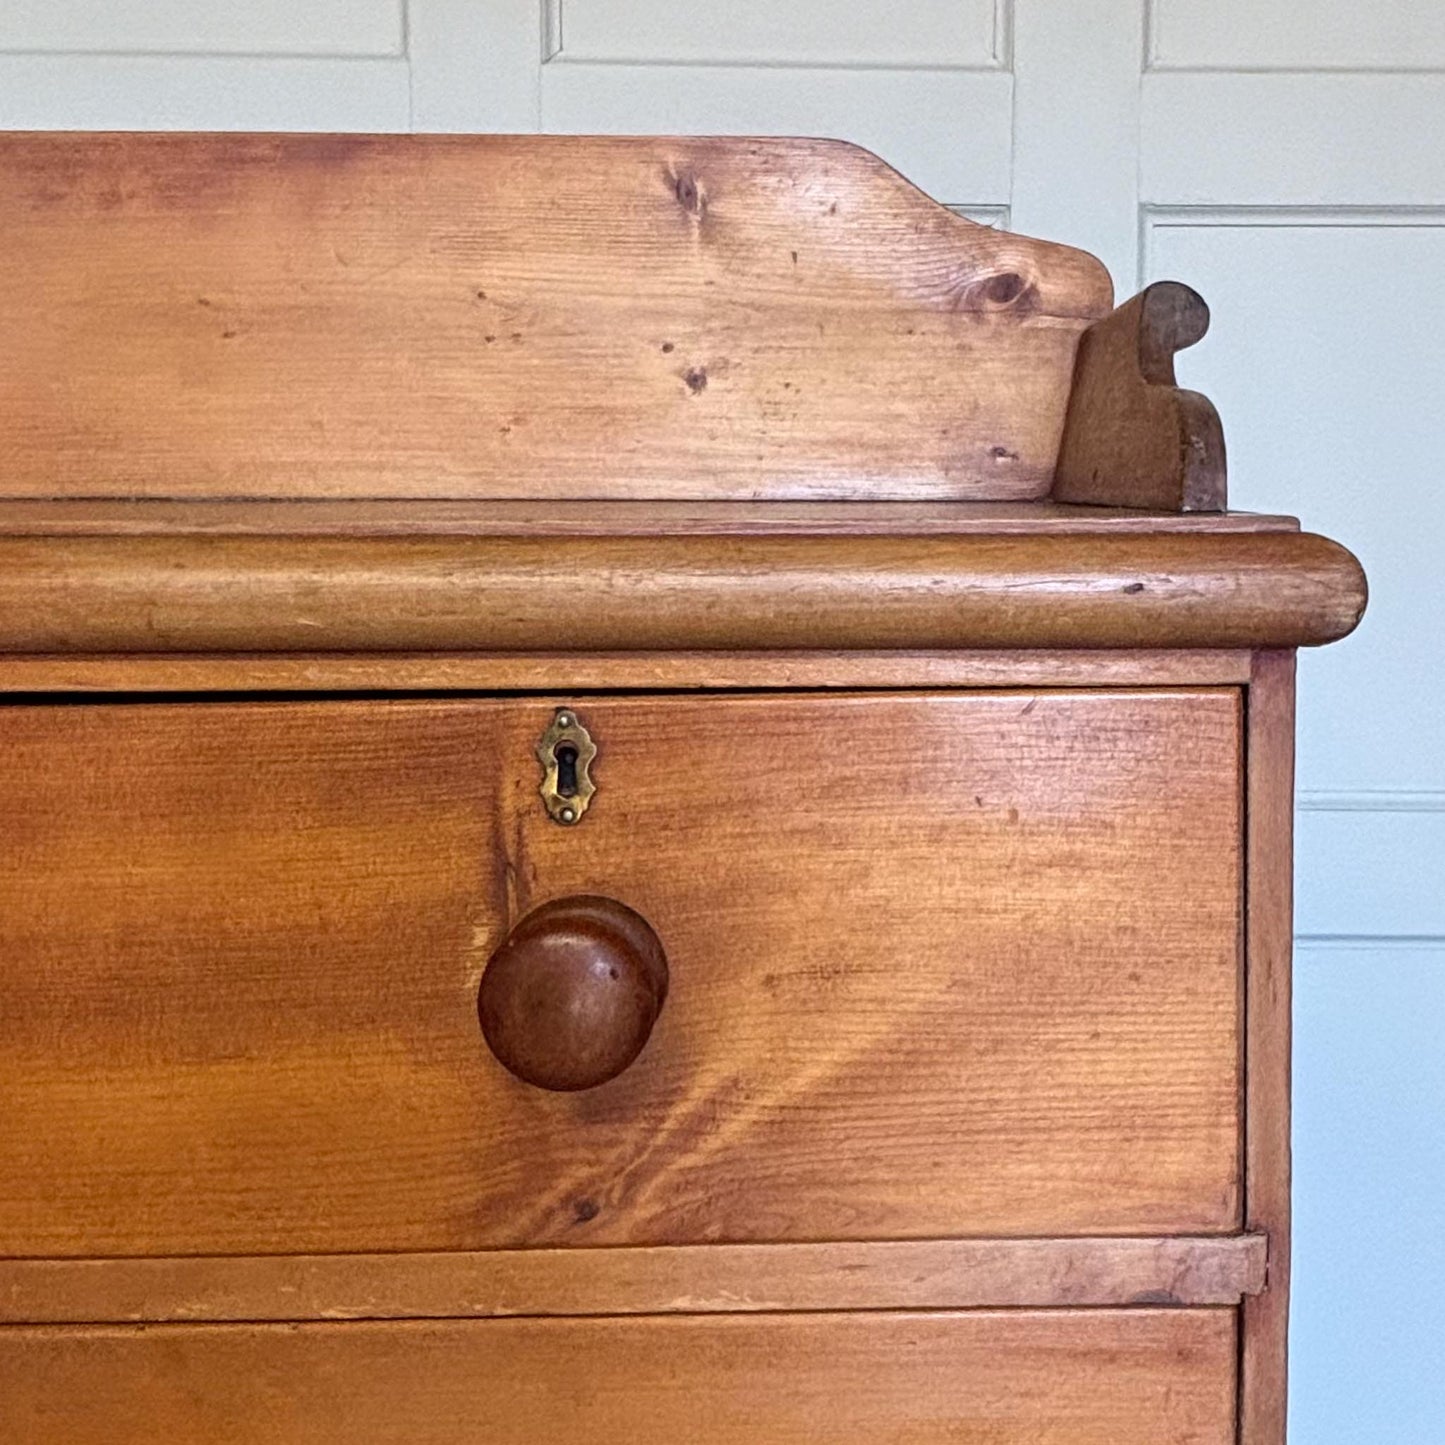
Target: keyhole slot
x,y
565,756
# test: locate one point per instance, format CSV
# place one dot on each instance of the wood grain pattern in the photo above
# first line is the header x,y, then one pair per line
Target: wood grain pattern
x,y
680,1279
940,965
1024,1378
300,517
589,594
1269,946
975,1001
585,672
518,316
1133,438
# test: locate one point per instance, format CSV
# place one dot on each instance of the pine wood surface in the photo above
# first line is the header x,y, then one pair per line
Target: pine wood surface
x,y
1133,438
518,316
1270,949
610,593
941,965
585,672
1134,1377
300,517
973,1001
678,1279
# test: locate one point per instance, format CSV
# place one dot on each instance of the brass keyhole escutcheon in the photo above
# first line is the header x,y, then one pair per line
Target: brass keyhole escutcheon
x,y
566,751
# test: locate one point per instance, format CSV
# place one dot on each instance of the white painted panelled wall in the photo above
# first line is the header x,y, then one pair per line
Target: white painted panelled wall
x,y
1286,157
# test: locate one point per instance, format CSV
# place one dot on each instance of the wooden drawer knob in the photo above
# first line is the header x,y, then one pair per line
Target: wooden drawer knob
x,y
569,999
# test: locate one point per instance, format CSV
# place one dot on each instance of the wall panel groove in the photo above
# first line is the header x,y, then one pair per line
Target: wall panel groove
x,y
909,35
1380,800
1346,138
123,92
1273,37
259,29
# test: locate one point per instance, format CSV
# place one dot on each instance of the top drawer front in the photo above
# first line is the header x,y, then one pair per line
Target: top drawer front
x,y
940,965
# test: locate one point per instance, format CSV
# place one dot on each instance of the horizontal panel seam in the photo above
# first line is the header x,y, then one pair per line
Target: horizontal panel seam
x,y
1384,800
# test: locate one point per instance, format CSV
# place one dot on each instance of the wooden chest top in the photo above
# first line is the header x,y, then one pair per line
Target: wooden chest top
x,y
647,796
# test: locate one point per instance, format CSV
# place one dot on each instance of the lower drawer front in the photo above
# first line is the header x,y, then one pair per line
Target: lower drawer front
x,y
1128,1377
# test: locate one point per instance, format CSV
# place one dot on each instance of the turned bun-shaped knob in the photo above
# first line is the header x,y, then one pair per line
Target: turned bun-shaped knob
x,y
569,999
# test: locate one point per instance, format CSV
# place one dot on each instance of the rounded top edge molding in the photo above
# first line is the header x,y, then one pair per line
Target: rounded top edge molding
x,y
579,594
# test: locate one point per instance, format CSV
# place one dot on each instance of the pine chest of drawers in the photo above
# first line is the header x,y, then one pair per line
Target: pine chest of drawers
x,y
646,798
